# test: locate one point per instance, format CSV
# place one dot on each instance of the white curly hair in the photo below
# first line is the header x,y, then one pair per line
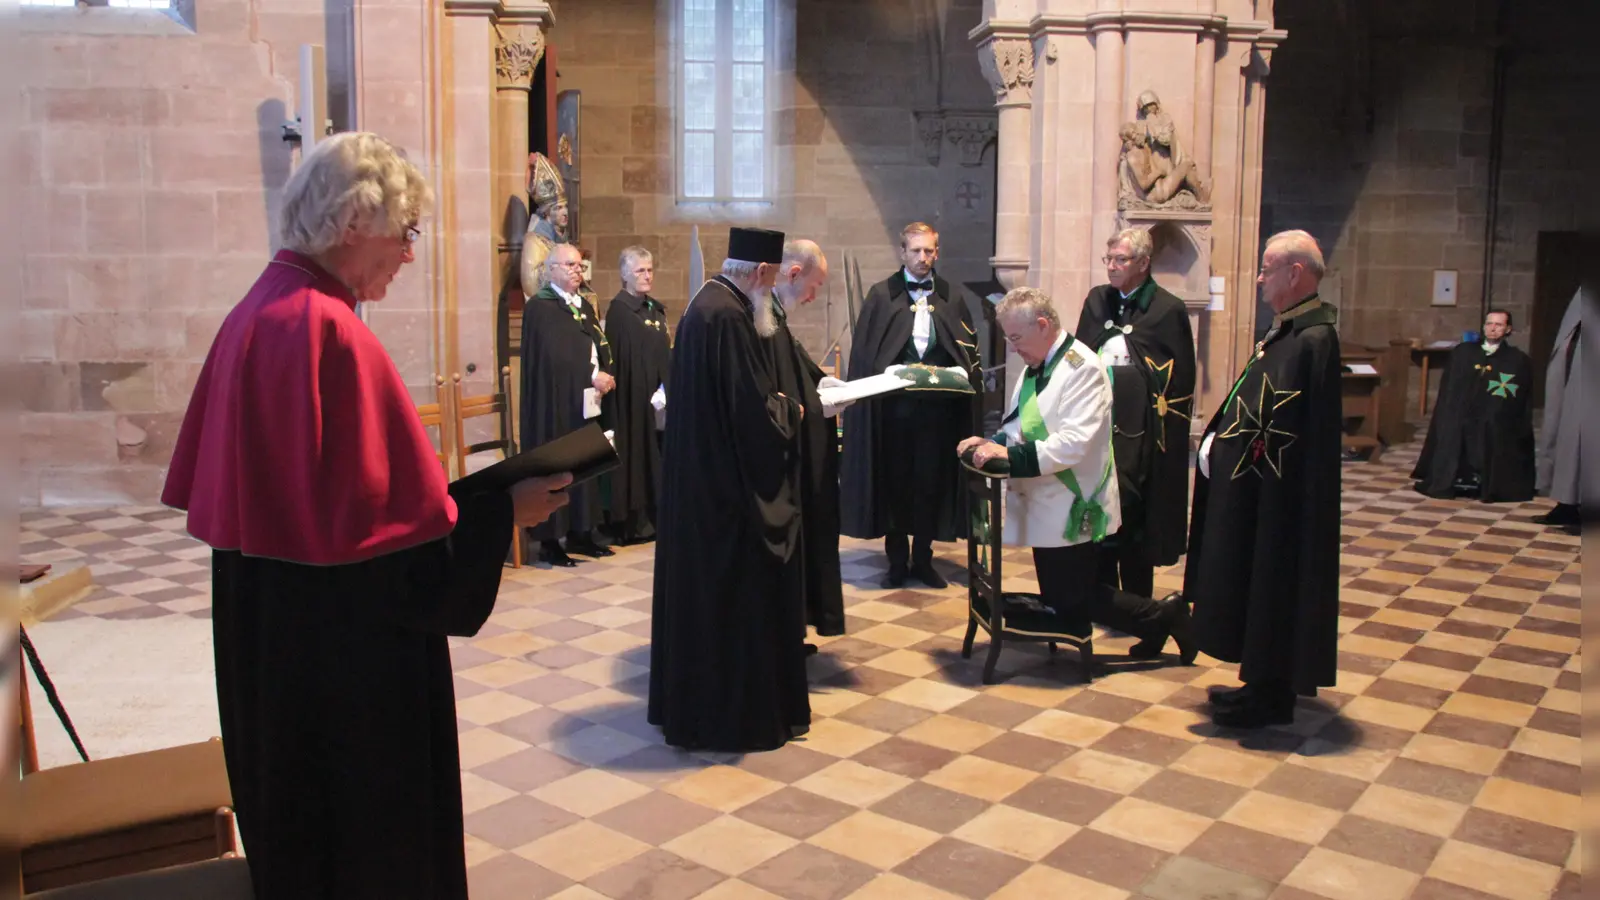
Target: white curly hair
x,y
354,178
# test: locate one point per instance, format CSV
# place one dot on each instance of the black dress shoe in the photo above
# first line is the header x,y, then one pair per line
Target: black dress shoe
x,y
556,557
1256,712
1225,697
925,573
896,577
588,547
1562,514
1181,629
1176,612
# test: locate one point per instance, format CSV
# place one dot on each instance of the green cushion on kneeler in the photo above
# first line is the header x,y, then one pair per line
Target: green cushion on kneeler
x,y
1025,614
933,378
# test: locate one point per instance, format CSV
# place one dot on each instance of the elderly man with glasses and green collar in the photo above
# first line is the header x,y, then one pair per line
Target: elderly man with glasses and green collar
x,y
563,378
1141,333
1062,492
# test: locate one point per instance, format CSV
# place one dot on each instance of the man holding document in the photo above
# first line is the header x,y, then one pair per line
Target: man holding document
x,y
899,480
727,667
562,383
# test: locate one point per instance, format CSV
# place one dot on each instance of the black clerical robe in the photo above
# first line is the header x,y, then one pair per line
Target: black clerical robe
x,y
1263,565
1482,425
338,714
1152,437
797,375
641,352
727,666
890,436
558,360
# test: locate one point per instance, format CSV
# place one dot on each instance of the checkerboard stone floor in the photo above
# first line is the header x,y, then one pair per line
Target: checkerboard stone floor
x,y
1445,763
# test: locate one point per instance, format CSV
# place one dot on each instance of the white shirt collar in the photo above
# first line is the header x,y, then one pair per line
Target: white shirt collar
x,y
1489,347
572,299
1061,338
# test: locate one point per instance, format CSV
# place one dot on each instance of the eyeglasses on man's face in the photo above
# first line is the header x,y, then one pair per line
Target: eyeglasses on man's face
x,y
412,233
1118,261
578,264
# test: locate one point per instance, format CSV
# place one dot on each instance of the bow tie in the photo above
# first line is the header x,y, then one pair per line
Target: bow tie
x,y
919,286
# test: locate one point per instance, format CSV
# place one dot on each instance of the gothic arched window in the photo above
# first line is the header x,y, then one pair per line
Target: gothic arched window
x,y
724,101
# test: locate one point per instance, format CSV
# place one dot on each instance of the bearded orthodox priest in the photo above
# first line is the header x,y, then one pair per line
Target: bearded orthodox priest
x,y
727,666
803,270
1263,566
1141,332
1480,442
899,479
641,351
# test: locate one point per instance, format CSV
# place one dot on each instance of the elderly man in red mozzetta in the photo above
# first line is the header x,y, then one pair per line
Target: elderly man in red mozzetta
x,y
341,559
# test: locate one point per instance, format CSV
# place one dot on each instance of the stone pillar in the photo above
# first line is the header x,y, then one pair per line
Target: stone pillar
x,y
1108,116
1205,90
518,48
1205,60
1007,62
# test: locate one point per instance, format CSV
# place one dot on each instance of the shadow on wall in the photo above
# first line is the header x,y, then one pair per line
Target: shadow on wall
x,y
1320,121
869,65
277,161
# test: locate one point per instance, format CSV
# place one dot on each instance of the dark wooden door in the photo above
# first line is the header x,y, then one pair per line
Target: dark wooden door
x,y
1557,272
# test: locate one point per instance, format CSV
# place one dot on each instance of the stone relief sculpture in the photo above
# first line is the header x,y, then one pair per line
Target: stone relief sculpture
x,y
547,226
1155,171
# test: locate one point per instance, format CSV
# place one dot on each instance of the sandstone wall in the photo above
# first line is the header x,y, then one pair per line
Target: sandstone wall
x,y
1378,141
153,157
858,171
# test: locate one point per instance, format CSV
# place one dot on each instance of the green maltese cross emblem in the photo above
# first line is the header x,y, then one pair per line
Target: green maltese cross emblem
x,y
1503,385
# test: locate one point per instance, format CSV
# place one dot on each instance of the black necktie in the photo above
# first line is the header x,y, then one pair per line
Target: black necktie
x,y
919,285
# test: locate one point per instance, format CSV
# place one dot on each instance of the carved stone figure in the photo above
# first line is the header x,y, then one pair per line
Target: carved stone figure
x,y
1156,172
547,226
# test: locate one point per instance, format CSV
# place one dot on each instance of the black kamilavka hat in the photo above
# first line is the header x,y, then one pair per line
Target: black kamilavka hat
x,y
756,245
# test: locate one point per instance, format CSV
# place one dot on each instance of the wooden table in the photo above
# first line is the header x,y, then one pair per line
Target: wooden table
x,y
1424,356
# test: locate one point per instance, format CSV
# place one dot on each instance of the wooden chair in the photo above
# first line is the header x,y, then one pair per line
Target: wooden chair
x,y
434,415
227,878
497,404
126,814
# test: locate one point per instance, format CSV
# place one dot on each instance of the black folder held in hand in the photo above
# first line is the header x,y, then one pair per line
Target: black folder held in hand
x,y
585,453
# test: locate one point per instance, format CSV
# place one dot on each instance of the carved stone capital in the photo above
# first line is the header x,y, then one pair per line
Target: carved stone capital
x,y
968,130
970,135
1007,63
517,51
930,131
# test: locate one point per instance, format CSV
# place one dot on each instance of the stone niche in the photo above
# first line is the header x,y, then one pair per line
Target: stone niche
x,y
1180,258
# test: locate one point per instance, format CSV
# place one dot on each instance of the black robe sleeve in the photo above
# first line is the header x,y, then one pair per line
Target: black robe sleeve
x,y
445,587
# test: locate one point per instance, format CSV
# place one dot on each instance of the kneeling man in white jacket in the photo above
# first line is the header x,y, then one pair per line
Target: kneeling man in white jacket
x,y
1061,498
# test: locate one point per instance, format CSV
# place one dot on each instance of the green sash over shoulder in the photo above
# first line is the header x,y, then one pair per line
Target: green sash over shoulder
x,y
1087,516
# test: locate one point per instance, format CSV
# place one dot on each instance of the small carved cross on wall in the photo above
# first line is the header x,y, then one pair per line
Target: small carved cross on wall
x,y
968,194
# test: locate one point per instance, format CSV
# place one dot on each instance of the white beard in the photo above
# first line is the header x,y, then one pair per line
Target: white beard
x,y
766,319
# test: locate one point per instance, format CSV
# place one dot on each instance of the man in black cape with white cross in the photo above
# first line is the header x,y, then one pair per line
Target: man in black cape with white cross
x,y
641,352
1141,332
1480,442
1263,566
805,269
727,663
899,479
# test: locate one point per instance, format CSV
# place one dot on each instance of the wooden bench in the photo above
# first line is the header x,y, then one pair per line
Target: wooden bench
x,y
126,814
218,879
